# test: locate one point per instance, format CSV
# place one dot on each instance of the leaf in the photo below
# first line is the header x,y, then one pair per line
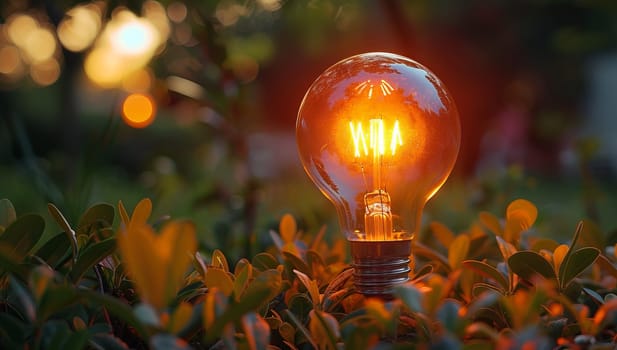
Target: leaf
x,y
180,317
491,222
123,214
578,262
164,341
544,243
26,304
429,254
524,210
147,315
22,235
527,263
311,287
297,263
242,279
269,280
443,234
411,296
66,227
591,235
457,251
558,255
325,329
287,228
577,233
55,251
520,216
90,256
7,213
141,213
256,331
219,260
221,279
107,342
488,271
56,299
264,261
506,249
99,214
115,307
300,327
262,289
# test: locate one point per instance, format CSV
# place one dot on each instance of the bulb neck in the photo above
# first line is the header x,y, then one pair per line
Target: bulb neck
x,y
380,265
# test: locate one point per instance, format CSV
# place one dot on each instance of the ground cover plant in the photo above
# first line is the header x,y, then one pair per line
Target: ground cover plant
x,y
120,279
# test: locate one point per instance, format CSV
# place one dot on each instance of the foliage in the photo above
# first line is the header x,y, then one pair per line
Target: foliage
x,y
144,285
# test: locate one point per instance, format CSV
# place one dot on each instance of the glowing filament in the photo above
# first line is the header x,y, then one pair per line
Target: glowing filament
x,y
376,138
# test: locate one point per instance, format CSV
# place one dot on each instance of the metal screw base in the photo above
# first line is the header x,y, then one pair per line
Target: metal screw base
x,y
380,265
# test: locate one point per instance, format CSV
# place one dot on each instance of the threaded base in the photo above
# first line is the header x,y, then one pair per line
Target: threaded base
x,y
380,265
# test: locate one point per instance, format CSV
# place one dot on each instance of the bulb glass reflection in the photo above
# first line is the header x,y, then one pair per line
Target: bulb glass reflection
x,y
378,134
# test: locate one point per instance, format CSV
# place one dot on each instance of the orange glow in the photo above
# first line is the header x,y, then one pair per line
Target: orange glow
x,y
39,45
377,138
378,134
138,110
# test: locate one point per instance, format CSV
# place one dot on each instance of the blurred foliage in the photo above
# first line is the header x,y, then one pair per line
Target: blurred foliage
x,y
142,283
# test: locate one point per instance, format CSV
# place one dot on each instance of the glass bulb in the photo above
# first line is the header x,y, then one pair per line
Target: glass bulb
x,y
378,134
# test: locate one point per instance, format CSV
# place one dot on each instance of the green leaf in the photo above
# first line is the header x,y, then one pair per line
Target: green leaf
x,y
242,280
146,314
256,295
56,299
527,263
26,304
256,331
457,251
410,296
66,227
14,329
300,305
23,234
7,213
55,251
90,256
264,261
98,216
297,263
324,329
115,307
429,254
107,342
488,271
576,263
443,234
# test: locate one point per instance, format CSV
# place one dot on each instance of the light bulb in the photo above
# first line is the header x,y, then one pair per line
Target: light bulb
x,y
378,134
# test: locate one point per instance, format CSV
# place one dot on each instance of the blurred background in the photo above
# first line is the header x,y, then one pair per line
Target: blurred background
x,y
193,104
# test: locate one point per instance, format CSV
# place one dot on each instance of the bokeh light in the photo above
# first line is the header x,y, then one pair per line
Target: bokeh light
x,y
79,28
39,45
138,110
126,45
138,81
11,64
46,72
177,11
18,26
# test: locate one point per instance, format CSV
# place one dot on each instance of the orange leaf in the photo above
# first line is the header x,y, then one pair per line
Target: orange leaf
x,y
288,228
142,212
558,255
